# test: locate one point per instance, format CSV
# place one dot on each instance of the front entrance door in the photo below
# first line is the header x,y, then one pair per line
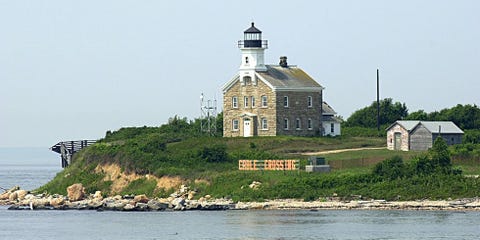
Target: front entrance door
x,y
246,128
397,141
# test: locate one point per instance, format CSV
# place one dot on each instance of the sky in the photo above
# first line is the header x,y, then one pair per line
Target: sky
x,y
72,70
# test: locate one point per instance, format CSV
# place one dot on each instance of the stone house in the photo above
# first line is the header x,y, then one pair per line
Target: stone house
x,y
270,100
419,135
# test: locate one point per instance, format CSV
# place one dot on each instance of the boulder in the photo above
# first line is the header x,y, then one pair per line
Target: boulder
x,y
12,196
4,196
156,205
55,202
191,195
21,194
76,192
141,199
98,195
129,207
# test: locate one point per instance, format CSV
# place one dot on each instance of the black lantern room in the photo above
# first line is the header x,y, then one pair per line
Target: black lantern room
x,y
252,38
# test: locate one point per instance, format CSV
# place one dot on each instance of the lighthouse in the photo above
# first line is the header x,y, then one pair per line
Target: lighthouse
x,y
253,51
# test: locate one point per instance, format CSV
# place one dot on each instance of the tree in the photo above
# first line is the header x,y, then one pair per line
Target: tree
x,y
418,115
390,169
439,154
367,117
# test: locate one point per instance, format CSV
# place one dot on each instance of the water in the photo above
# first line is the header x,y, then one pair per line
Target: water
x,y
28,168
332,224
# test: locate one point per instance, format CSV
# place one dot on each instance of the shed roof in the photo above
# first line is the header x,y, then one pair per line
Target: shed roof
x,y
432,126
327,109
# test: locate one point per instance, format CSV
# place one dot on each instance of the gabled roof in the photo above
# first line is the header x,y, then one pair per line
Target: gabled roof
x,y
288,78
431,126
278,78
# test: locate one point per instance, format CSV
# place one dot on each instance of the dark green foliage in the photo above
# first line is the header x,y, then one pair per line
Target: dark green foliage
x,y
472,136
367,117
464,116
391,168
215,153
440,155
363,131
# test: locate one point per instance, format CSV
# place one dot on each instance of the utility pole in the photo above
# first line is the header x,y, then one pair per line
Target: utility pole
x,y
378,101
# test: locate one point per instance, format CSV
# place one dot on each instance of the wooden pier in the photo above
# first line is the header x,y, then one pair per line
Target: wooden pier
x,y
68,148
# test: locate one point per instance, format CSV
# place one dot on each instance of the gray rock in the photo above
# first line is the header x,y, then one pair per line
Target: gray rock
x,y
157,206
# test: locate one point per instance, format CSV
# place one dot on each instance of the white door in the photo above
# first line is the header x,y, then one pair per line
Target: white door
x,y
246,128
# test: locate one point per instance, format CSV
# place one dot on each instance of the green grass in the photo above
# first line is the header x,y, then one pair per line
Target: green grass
x,y
215,159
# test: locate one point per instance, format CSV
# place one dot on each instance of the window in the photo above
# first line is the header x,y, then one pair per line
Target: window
x,y
309,101
285,123
234,102
247,80
235,124
332,127
264,123
309,124
264,101
245,99
285,101
246,60
253,101
297,124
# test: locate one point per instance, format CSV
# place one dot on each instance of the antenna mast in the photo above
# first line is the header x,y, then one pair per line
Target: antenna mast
x,y
208,114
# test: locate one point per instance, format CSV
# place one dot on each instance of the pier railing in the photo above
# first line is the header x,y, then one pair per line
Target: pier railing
x,y
66,149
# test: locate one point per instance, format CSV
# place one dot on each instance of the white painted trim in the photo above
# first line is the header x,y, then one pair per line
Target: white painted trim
x,y
230,83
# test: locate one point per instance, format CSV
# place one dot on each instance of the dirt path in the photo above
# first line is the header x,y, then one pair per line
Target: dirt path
x,y
341,150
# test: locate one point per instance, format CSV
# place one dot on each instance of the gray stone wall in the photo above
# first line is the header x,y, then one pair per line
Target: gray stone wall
x,y
298,109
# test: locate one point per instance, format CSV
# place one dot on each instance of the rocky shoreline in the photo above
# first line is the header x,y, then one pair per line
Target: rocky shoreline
x,y
183,199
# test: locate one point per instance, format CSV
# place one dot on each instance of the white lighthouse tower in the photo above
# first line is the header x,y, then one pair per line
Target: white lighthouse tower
x,y
253,48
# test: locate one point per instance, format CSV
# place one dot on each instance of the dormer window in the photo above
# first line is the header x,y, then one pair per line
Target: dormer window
x,y
247,80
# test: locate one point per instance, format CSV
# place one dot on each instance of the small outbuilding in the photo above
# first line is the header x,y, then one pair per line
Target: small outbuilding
x,y
420,135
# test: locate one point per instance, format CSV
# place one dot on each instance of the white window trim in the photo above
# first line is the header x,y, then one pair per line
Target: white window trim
x,y
266,101
245,102
309,101
233,125
298,124
264,123
309,124
285,101
253,101
287,127
234,102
